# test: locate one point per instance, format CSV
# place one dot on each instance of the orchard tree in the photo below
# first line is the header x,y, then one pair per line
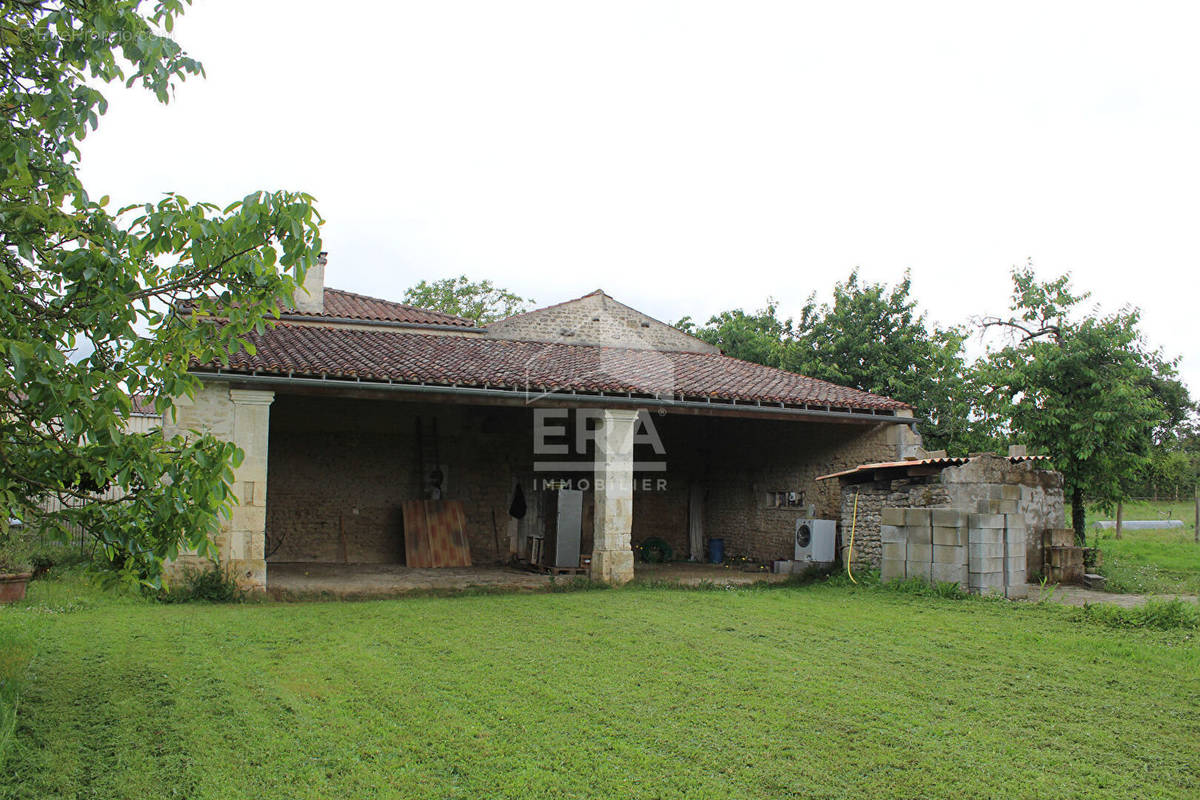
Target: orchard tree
x,y
761,337
1082,387
872,337
92,299
480,301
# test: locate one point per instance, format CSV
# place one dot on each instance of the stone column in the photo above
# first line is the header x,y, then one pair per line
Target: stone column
x,y
244,535
612,555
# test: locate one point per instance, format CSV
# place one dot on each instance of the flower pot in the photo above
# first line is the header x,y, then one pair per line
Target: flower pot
x,y
12,586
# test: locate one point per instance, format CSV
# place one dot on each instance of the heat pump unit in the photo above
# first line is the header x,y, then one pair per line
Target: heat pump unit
x,y
815,540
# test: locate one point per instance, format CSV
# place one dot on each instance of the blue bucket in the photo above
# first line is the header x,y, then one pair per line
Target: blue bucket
x,y
716,551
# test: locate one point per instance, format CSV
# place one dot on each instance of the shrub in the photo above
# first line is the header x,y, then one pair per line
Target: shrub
x,y
212,585
923,588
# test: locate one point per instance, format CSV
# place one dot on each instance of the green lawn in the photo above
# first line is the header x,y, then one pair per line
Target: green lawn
x,y
1158,561
817,691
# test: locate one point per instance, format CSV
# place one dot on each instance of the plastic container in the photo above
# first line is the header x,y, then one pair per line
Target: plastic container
x,y
716,551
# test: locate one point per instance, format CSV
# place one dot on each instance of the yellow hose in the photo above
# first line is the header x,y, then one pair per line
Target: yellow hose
x,y
853,524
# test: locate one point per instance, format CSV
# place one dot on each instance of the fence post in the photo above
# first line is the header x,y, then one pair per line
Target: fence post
x,y
1196,521
1120,518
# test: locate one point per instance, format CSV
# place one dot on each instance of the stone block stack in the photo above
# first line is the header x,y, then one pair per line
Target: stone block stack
x,y
983,553
951,536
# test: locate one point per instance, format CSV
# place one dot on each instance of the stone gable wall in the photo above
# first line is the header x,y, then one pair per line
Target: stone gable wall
x,y
597,319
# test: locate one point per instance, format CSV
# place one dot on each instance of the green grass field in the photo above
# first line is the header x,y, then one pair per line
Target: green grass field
x,y
819,691
1157,561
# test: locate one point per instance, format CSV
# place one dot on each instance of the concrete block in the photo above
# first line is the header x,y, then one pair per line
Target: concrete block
x,y
1019,591
896,551
891,570
920,552
949,573
994,579
943,554
1006,507
956,537
1010,492
892,516
948,517
916,517
920,534
1016,578
987,521
986,563
892,533
978,550
922,570
985,536
987,591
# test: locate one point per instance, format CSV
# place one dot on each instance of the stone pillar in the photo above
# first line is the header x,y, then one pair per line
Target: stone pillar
x,y
612,556
245,533
240,416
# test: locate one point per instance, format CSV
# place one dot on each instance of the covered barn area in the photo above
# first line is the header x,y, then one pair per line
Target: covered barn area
x,y
387,447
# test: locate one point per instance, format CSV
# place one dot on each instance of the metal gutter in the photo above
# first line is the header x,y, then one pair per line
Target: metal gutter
x,y
745,408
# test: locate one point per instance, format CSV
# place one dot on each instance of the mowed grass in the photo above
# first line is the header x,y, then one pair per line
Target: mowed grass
x,y
1163,561
819,691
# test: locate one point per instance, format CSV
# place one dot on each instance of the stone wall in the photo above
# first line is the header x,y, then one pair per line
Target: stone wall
x,y
991,484
341,468
987,484
751,460
596,319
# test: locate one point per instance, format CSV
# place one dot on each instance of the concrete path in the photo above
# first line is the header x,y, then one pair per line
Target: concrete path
x,y
357,580
1078,596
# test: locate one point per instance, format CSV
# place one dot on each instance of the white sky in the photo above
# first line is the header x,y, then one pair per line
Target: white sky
x,y
692,157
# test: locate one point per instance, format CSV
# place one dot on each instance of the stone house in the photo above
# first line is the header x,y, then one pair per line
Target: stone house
x,y
352,405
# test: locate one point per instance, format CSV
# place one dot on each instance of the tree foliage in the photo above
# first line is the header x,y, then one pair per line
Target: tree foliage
x,y
480,301
1081,386
91,299
871,337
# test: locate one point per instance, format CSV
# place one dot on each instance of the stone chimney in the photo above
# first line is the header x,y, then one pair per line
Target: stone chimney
x,y
310,297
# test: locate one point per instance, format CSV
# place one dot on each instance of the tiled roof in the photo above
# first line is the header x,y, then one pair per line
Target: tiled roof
x,y
349,305
477,361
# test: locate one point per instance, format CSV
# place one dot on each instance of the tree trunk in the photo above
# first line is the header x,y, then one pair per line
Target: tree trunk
x,y
1078,516
1196,521
1120,518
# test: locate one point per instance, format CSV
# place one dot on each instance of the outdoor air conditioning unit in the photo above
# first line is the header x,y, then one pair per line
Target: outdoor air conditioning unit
x,y
815,540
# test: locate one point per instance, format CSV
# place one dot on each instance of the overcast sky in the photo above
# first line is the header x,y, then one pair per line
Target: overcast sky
x,y
692,157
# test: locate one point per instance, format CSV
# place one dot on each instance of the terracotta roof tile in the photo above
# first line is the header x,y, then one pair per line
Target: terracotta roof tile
x,y
478,361
349,305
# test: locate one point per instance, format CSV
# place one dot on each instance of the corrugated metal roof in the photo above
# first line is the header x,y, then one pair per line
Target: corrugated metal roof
x,y
942,462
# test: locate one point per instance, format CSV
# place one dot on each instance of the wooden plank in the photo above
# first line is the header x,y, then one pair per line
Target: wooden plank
x,y
435,534
417,551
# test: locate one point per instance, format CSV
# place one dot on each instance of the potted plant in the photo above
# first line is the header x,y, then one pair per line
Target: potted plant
x,y
13,576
